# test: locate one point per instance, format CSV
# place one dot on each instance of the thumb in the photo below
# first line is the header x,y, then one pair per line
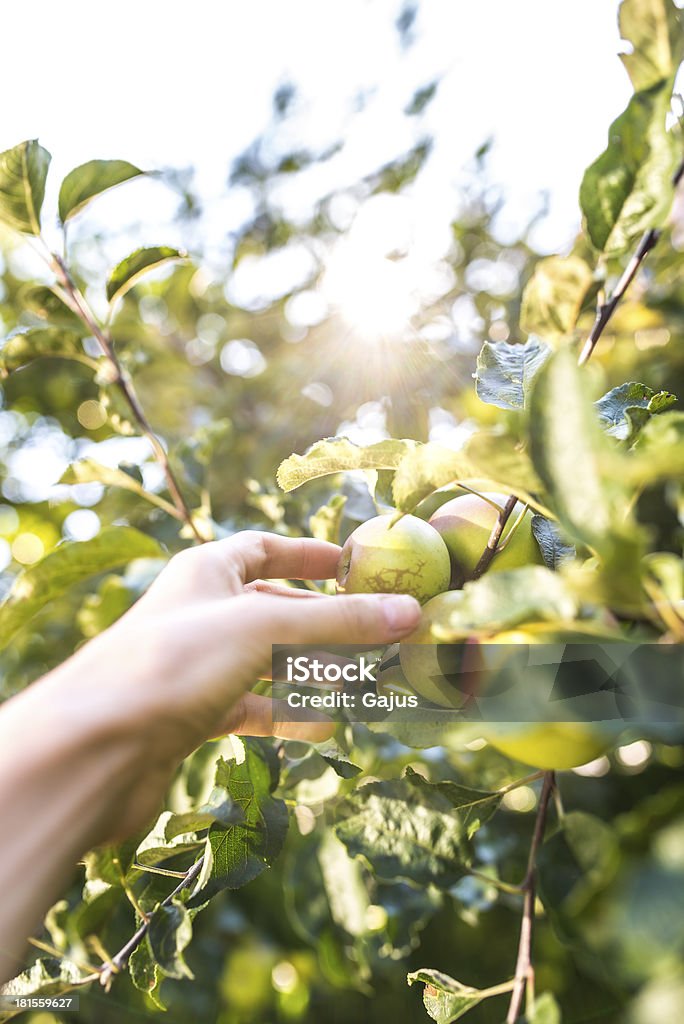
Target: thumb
x,y
346,619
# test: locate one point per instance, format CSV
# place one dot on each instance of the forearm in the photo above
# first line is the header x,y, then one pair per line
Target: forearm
x,y
67,768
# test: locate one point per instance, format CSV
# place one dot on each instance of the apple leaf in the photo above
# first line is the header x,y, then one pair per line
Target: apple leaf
x,y
489,462
628,189
567,445
555,548
576,862
627,408
41,343
70,563
656,32
238,852
326,521
145,972
505,372
545,1010
415,830
87,471
658,452
503,600
90,180
48,304
444,998
46,977
338,455
23,172
169,932
131,269
554,295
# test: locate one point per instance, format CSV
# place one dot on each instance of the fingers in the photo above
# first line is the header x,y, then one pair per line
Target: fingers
x,y
269,587
348,619
269,556
221,568
254,716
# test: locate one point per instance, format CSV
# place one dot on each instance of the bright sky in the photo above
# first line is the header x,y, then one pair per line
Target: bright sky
x,y
165,82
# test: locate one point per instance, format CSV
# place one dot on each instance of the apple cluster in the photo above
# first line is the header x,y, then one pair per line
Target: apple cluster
x,y
432,561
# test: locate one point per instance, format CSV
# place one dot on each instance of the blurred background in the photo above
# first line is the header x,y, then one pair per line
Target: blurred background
x,y
363,189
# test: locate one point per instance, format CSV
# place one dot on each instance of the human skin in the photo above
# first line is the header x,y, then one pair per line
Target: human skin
x,y
87,752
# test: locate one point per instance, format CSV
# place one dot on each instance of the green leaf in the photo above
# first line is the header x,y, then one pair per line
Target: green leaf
x,y
655,30
40,343
544,1011
325,523
237,853
87,471
554,547
338,455
658,453
90,180
70,563
627,408
23,171
567,447
47,303
628,189
503,600
577,862
415,830
158,845
130,270
505,372
46,977
554,295
169,933
444,998
489,462
145,973
344,885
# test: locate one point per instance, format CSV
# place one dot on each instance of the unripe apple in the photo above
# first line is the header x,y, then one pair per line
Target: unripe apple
x,y
408,557
390,679
434,670
466,523
551,745
448,674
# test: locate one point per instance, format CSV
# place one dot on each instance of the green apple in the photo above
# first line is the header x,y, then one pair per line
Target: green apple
x,y
390,679
552,745
466,523
434,670
408,557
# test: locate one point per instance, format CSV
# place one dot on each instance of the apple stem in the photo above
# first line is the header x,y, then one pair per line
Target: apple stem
x,y
495,536
524,972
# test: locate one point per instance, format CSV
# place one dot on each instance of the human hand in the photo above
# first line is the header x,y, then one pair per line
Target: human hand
x,y
177,667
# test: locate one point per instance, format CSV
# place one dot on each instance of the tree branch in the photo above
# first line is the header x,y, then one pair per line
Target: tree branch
x,y
125,384
120,959
648,241
495,536
524,971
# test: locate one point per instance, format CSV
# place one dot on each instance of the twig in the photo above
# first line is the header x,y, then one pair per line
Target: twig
x,y
605,311
120,959
495,536
125,384
648,241
523,967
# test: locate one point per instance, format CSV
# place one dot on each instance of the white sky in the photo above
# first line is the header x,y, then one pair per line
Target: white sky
x,y
175,83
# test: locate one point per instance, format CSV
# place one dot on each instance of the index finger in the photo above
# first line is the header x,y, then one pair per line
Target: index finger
x,y
256,555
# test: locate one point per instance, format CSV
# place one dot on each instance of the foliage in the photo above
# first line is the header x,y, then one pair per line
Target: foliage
x,y
311,876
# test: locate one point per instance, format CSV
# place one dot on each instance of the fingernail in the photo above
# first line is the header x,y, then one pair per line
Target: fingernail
x,y
401,612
